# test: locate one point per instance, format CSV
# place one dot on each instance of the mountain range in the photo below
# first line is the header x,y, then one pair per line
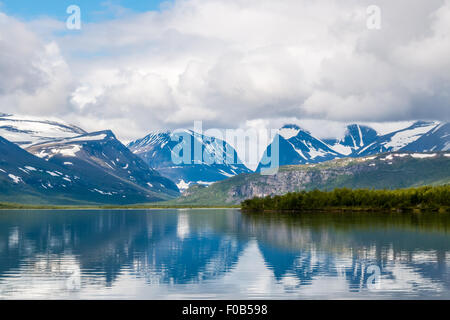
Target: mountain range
x,y
91,168
49,161
298,146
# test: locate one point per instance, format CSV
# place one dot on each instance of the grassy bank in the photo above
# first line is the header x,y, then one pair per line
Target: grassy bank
x,y
412,199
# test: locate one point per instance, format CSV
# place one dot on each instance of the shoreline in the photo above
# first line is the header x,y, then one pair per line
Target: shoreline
x,y
354,209
10,207
333,210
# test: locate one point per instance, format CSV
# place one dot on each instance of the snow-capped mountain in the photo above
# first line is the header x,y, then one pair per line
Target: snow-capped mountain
x,y
206,163
436,139
298,146
61,178
356,137
26,131
108,171
101,154
309,148
64,163
400,140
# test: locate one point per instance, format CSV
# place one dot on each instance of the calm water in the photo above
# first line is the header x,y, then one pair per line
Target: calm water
x,y
220,254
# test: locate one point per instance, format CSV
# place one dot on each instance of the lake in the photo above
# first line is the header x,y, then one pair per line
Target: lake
x,y
222,254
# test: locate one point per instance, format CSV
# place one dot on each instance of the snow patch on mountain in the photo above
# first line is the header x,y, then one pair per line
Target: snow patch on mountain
x,y
339,148
67,151
27,131
361,141
87,138
14,178
182,185
204,183
403,138
423,155
314,153
289,132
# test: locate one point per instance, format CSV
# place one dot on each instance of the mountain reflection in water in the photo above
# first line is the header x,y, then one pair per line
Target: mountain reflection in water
x,y
211,253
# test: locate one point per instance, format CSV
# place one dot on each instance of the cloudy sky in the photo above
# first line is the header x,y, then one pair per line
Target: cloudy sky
x,y
137,66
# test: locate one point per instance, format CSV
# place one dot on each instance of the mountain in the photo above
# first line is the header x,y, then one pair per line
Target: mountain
x,y
298,146
25,178
88,167
389,170
102,159
401,140
26,131
436,139
356,137
205,164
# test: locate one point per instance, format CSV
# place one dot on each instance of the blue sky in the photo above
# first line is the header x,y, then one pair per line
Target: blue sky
x,y
91,10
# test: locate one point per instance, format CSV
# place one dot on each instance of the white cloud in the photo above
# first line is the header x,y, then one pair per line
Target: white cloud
x,y
233,62
35,78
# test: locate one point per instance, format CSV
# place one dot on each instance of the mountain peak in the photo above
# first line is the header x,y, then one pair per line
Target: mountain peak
x,y
422,123
355,126
291,126
160,132
207,162
291,130
27,131
104,134
357,136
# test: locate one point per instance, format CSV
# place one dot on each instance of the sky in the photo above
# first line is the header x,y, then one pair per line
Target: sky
x,y
138,66
93,11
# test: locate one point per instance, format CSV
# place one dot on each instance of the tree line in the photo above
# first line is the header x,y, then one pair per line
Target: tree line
x,y
423,197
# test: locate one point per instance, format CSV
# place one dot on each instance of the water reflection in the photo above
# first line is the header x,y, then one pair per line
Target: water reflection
x,y
411,251
173,254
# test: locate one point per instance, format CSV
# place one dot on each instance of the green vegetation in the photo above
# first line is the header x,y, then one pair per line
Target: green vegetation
x,y
429,198
375,172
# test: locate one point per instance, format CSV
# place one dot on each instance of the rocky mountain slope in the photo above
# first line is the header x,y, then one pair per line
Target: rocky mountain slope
x,y
389,170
